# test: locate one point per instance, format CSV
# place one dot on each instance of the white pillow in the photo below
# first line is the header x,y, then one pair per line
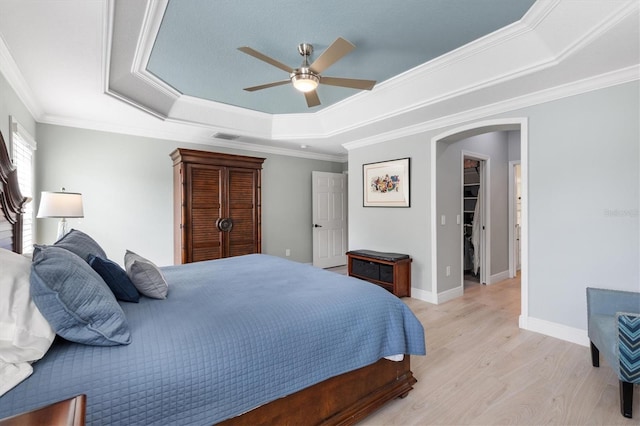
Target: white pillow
x,y
25,335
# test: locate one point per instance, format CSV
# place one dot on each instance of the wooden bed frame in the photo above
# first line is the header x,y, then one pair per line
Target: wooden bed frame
x,y
340,400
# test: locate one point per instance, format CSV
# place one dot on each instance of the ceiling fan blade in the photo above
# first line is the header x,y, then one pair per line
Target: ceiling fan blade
x,y
333,53
265,58
266,86
312,98
348,82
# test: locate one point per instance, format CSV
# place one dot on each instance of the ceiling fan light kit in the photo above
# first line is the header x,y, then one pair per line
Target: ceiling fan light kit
x,y
307,78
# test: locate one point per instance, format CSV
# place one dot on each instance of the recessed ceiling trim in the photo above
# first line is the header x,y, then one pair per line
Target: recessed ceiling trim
x,y
151,22
234,119
598,28
496,59
613,78
124,82
401,97
150,27
415,89
153,17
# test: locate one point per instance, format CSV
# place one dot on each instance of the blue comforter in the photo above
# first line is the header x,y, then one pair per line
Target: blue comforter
x,y
232,335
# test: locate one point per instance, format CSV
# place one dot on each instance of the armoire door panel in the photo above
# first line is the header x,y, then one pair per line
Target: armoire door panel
x,y
243,224
206,254
203,229
242,250
242,185
243,211
205,183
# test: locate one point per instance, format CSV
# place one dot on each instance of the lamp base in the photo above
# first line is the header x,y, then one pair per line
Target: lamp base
x,y
62,228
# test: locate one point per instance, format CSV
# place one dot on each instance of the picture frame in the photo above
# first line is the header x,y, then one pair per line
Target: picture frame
x,y
387,183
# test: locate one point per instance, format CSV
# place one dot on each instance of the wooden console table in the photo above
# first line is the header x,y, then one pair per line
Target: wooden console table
x,y
391,271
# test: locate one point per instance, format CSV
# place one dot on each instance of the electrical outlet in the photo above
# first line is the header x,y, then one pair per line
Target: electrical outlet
x,y
287,252
448,270
443,220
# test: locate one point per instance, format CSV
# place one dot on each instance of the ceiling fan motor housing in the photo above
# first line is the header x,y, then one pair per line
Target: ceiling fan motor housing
x,y
305,49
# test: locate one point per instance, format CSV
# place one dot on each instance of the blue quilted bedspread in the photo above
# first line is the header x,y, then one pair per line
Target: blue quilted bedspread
x,y
232,334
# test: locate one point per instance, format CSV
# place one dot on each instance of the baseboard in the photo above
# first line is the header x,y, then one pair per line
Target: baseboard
x,y
429,296
559,331
501,276
447,295
425,296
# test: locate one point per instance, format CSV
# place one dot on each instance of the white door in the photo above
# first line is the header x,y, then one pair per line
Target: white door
x,y
329,195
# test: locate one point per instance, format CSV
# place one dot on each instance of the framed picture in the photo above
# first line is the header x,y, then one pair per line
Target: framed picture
x,y
386,184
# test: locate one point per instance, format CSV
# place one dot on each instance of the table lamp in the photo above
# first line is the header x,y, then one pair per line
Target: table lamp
x,y
61,205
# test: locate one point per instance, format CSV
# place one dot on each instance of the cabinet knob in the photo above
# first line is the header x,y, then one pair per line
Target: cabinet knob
x,y
315,225
224,224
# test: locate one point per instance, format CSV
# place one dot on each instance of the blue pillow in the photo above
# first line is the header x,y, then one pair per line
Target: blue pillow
x,y
75,300
81,244
116,278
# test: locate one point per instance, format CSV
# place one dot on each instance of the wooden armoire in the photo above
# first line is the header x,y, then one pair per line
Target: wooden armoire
x,y
217,205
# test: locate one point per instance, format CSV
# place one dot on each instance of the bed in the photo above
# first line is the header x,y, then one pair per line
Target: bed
x,y
246,340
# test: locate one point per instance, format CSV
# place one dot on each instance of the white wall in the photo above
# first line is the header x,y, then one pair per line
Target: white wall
x,y
583,186
398,230
514,145
127,187
583,200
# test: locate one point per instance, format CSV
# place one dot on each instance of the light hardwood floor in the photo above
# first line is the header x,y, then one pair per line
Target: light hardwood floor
x,y
481,369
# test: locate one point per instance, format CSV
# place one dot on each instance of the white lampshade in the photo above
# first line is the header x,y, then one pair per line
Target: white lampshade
x,y
60,204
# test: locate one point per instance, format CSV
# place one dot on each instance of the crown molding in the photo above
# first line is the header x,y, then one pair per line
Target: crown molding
x,y
181,133
11,72
603,81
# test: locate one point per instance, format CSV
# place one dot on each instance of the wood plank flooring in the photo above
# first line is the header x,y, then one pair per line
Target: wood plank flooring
x,y
481,369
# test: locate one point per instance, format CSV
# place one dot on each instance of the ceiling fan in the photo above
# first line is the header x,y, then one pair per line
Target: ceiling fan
x,y
307,77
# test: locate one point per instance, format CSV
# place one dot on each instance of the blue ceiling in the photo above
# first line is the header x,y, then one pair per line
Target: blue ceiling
x,y
196,47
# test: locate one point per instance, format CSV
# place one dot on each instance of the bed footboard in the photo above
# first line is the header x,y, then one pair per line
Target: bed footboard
x,y
340,400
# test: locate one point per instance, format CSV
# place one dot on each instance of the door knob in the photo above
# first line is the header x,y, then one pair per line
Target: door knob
x,y
315,225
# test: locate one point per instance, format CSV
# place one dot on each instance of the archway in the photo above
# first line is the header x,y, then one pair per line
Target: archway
x,y
463,132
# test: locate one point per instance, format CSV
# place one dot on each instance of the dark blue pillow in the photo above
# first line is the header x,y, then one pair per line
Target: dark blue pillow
x,y
116,278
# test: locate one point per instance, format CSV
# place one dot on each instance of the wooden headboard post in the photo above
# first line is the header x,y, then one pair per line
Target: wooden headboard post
x,y
11,203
